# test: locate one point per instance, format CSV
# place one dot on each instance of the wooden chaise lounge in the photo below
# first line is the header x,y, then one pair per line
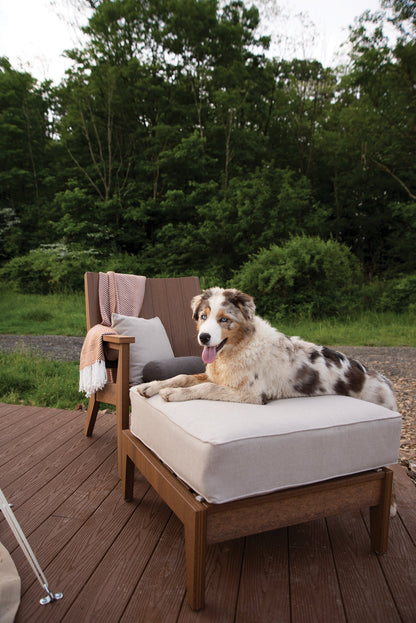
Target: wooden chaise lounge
x,y
229,470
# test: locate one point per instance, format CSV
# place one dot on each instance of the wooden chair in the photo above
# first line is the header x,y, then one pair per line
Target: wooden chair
x,y
169,299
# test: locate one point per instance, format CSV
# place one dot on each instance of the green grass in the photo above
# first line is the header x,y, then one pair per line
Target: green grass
x,y
36,314
64,314
366,329
30,379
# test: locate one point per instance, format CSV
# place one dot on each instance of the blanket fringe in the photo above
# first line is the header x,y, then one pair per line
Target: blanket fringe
x,y
92,378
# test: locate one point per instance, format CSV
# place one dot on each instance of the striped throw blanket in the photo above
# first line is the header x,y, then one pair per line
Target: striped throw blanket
x,y
118,293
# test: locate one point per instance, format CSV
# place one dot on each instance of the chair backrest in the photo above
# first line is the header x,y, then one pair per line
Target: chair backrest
x,y
168,298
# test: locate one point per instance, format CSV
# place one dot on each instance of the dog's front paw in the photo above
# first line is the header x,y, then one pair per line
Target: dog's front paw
x,y
148,389
173,394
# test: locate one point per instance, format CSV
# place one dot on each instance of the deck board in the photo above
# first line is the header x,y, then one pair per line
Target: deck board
x,y
119,561
314,588
265,584
359,571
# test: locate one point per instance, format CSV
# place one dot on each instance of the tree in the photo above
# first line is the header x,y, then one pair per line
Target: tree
x,y
26,159
306,90
386,77
175,139
151,76
373,156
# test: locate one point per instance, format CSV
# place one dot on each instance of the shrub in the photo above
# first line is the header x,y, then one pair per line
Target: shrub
x,y
305,276
50,268
59,268
399,295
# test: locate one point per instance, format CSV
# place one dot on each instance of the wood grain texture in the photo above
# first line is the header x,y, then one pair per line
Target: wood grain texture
x,y
130,557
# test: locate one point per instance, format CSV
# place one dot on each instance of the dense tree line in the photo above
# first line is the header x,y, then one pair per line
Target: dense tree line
x,y
176,145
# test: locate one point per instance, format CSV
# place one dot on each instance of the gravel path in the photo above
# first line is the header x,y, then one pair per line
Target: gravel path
x,y
397,363
57,347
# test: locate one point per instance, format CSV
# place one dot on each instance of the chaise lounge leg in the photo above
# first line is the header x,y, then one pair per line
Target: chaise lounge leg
x,y
380,516
195,551
127,477
93,406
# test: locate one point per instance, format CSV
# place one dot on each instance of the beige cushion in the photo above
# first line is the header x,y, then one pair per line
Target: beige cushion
x,y
9,587
151,342
226,451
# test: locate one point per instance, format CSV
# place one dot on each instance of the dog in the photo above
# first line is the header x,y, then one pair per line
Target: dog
x,y
249,361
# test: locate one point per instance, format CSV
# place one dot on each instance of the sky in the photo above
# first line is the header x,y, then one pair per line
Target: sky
x,y
35,33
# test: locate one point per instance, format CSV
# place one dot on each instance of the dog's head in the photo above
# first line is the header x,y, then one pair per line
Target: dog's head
x,y
224,318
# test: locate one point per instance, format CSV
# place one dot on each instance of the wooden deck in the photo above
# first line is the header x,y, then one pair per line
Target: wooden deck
x,y
117,561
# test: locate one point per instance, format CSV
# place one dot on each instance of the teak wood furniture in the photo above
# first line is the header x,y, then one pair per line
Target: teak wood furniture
x,y
207,523
169,299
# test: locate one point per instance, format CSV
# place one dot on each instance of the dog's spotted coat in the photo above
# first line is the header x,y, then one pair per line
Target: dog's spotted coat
x,y
247,360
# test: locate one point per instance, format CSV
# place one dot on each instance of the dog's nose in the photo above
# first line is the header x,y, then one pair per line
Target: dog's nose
x,y
204,338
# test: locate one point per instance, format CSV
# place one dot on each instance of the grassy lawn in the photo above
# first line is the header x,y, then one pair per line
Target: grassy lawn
x,y
64,314
29,378
366,329
37,314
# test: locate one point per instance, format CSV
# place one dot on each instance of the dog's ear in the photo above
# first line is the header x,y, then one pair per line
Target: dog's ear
x,y
198,300
195,303
244,302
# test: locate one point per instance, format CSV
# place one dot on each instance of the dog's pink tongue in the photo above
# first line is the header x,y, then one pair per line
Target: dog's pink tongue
x,y
209,353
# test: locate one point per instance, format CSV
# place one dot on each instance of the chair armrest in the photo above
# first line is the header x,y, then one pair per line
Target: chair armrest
x,y
118,339
121,343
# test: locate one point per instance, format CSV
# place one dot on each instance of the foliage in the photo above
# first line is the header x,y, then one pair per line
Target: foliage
x,y
60,268
399,294
49,268
176,145
304,277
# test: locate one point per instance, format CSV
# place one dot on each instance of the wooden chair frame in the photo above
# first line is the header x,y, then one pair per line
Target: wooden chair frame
x,y
205,523
167,298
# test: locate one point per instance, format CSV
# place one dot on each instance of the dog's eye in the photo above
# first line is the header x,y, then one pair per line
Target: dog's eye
x,y
203,316
223,319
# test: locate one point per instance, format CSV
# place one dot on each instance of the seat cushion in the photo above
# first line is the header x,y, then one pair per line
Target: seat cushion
x,y
226,451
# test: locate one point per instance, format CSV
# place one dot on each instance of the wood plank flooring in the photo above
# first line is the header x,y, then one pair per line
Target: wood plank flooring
x,y
116,561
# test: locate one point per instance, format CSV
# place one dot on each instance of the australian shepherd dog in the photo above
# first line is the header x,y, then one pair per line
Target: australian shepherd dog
x,y
247,360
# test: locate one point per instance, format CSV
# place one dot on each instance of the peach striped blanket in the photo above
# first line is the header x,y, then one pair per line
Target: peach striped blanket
x,y
118,293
